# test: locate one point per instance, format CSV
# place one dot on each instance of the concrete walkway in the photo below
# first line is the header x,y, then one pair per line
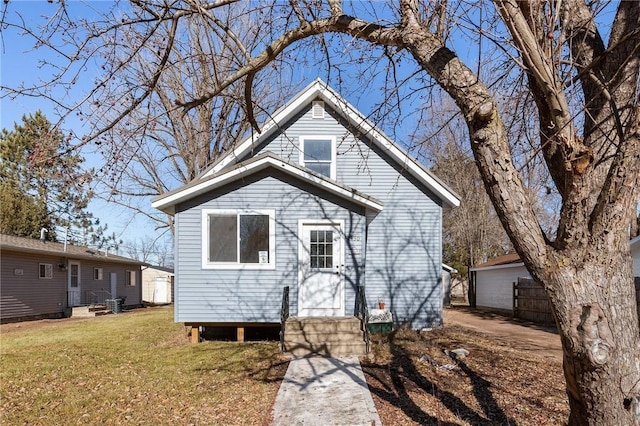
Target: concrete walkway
x,y
324,391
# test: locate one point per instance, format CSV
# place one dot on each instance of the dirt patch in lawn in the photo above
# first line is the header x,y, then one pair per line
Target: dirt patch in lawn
x,y
415,380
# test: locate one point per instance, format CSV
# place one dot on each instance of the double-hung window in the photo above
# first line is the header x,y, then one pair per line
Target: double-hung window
x,y
238,239
45,271
318,153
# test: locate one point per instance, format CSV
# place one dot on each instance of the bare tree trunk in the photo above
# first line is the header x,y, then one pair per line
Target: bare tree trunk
x,y
599,330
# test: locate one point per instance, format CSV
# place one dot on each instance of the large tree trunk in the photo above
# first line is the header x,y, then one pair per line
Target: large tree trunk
x,y
588,275
598,325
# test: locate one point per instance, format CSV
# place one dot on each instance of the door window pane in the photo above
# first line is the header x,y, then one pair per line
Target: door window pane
x,y
321,249
74,272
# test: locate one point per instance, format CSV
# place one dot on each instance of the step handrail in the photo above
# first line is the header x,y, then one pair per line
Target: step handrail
x,y
362,312
284,314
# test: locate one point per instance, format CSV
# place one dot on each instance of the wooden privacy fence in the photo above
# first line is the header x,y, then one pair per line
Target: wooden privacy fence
x,y
531,303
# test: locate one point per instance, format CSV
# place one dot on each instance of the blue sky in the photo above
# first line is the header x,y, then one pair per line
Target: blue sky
x,y
20,64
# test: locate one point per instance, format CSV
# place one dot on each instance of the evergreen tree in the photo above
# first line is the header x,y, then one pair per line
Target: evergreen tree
x,y
42,182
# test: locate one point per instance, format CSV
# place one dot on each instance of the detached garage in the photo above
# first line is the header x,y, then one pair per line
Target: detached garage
x,y
491,283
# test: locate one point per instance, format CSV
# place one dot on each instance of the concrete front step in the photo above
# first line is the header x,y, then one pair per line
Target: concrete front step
x,y
89,311
324,336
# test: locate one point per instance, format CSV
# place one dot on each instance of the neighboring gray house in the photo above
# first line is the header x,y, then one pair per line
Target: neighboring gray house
x,y
320,201
41,279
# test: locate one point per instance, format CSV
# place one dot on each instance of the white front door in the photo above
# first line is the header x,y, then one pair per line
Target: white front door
x,y
113,284
321,260
74,298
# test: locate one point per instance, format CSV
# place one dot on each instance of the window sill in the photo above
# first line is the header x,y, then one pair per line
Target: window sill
x,y
239,266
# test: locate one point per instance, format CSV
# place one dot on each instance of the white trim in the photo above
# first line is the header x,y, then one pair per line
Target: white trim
x,y
318,88
504,266
164,204
322,222
332,139
206,264
635,241
449,269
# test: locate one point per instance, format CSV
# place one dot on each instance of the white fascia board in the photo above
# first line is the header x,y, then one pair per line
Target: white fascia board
x,y
340,104
635,241
505,266
242,171
319,88
288,111
450,269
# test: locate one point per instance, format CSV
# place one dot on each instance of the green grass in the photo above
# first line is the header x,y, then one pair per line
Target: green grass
x,y
133,368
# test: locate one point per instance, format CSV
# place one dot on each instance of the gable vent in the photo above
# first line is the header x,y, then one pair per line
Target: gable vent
x,y
317,109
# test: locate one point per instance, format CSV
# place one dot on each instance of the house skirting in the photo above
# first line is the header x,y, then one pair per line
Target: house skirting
x,y
240,327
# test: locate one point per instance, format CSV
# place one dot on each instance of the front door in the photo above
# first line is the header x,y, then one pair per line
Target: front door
x,y
113,284
73,290
321,289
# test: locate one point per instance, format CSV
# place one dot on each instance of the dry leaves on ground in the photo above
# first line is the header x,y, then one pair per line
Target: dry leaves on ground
x,y
414,381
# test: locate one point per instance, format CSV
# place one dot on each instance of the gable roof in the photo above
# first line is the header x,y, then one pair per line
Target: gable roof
x,y
32,245
509,260
167,202
318,89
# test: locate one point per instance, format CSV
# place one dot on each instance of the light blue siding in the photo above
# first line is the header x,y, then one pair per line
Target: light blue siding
x,y
246,296
403,245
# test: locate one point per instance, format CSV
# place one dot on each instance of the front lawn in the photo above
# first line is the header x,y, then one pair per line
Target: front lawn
x,y
133,368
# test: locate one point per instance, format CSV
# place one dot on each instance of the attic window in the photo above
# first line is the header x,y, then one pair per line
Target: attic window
x,y
318,153
317,109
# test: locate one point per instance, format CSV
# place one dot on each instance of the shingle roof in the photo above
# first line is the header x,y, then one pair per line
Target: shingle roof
x,y
318,89
505,259
32,245
166,202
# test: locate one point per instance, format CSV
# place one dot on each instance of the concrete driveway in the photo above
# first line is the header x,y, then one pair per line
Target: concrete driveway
x,y
521,334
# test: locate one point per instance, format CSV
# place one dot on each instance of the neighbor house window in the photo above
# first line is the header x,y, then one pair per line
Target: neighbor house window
x,y
97,273
45,271
131,278
318,153
238,238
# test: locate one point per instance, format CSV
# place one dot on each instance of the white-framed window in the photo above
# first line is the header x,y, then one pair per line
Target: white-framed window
x,y
45,271
131,278
238,239
97,274
318,153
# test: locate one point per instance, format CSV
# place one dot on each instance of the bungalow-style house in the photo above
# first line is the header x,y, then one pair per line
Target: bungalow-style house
x,y
157,284
320,201
43,279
